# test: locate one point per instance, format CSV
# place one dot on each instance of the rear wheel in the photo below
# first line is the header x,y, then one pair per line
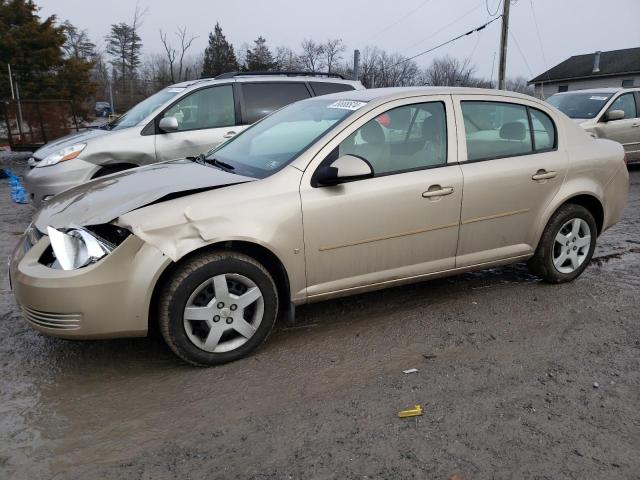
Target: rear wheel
x,y
566,246
217,307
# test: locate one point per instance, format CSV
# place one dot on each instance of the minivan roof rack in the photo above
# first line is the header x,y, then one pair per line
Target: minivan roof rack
x,y
281,73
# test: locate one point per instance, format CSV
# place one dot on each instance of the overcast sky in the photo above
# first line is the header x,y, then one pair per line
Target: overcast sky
x,y
566,27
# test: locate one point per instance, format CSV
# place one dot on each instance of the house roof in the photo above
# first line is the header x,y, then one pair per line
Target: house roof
x,y
614,62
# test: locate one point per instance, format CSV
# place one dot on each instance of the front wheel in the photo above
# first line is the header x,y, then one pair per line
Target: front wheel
x,y
217,307
566,245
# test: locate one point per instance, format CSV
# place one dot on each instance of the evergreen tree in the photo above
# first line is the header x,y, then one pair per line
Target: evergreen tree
x,y
35,50
219,56
259,58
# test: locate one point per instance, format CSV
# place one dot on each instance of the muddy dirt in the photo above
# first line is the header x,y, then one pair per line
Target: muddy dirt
x,y
522,380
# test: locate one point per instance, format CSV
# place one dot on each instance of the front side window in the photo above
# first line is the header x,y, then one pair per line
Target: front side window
x,y
274,142
404,138
211,107
495,130
143,109
260,99
626,103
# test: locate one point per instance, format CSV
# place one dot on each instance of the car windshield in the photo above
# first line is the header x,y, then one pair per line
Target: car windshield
x,y
279,138
145,108
579,105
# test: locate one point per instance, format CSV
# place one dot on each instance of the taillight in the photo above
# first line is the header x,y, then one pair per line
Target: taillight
x,y
625,159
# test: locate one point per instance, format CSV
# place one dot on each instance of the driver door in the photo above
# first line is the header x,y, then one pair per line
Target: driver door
x,y
626,130
206,118
401,223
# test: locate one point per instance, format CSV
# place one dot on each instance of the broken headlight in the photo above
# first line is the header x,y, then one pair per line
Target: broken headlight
x,y
77,247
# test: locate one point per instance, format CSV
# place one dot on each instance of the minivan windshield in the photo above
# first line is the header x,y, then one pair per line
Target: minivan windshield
x,y
579,105
145,108
279,138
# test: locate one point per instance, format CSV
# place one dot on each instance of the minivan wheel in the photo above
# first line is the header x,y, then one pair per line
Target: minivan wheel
x,y
566,246
217,307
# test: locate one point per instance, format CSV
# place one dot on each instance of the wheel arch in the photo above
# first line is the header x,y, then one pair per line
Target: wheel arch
x,y
109,168
258,252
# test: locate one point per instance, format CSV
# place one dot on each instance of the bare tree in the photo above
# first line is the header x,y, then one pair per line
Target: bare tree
x,y
286,60
172,53
333,50
451,72
394,70
311,56
368,60
519,84
185,43
77,43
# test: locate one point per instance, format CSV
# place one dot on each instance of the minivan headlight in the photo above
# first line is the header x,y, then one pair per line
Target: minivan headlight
x,y
77,247
68,153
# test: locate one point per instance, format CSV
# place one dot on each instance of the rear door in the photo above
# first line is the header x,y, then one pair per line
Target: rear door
x,y
206,118
625,131
512,169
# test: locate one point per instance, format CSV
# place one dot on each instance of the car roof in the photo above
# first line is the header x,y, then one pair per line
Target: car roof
x,y
607,90
264,78
393,93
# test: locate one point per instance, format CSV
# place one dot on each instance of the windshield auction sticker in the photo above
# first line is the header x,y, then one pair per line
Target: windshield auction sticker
x,y
347,104
596,97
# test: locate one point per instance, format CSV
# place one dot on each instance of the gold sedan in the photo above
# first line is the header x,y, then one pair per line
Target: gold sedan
x,y
331,196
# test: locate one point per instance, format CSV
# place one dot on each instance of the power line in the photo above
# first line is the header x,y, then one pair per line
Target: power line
x,y
406,15
477,29
535,22
486,3
524,59
466,14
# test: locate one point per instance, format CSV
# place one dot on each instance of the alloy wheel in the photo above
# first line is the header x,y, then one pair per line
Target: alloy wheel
x,y
223,313
571,245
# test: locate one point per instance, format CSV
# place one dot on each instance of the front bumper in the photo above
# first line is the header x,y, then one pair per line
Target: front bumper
x,y
44,182
108,299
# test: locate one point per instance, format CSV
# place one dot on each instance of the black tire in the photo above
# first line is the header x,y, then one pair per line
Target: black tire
x,y
191,274
541,264
109,169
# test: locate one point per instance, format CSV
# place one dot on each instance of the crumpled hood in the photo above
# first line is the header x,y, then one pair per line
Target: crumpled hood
x,y
68,140
105,199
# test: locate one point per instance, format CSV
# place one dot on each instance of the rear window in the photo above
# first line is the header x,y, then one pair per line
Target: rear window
x,y
324,88
260,99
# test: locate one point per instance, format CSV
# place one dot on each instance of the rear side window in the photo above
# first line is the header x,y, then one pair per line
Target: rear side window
x,y
324,88
544,132
495,130
260,99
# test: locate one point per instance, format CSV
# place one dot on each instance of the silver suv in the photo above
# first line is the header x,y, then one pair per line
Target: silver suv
x,y
183,120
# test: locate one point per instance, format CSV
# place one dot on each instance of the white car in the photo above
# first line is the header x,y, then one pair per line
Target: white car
x,y
612,113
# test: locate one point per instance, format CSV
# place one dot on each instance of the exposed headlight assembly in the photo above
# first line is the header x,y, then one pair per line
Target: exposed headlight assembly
x,y
77,247
63,155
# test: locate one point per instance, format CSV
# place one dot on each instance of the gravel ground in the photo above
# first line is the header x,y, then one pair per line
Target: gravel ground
x,y
522,380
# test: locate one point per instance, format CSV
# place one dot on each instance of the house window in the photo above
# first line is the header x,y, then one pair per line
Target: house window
x,y
563,88
629,82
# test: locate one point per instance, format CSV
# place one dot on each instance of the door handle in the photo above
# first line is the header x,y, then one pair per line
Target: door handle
x,y
437,191
544,175
229,134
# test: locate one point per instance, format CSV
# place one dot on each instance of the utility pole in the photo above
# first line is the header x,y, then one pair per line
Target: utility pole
x,y
356,64
113,107
503,44
13,96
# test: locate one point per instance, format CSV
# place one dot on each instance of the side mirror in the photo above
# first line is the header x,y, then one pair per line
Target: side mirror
x,y
347,168
614,115
169,124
